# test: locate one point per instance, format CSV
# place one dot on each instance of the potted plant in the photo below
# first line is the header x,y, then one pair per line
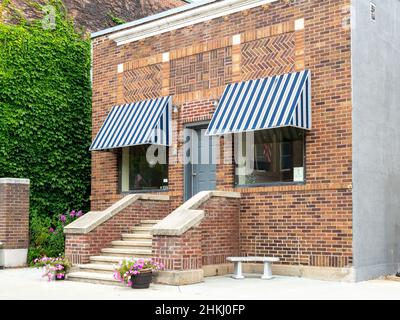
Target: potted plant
x,y
137,273
53,268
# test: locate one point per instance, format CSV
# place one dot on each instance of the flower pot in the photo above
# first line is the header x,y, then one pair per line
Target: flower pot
x,y
142,280
59,279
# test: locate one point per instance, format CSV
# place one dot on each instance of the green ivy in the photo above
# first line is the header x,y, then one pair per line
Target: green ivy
x,y
115,19
45,119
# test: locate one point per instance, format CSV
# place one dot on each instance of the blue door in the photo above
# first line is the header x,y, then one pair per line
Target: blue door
x,y
200,172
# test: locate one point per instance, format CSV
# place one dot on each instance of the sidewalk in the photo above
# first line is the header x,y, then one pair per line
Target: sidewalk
x,y
27,284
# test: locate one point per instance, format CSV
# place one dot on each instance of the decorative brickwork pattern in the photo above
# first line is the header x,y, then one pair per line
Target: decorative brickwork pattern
x,y
14,215
201,71
268,57
143,83
79,247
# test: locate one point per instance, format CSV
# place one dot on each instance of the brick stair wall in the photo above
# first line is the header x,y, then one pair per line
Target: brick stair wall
x,y
208,243
79,247
128,245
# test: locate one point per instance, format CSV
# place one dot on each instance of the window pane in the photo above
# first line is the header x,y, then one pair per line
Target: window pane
x,y
146,174
278,157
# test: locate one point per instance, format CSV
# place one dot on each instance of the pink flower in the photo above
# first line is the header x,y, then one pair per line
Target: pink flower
x,y
63,218
51,230
72,214
79,214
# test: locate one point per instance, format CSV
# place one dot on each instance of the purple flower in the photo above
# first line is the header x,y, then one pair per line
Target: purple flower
x,y
63,218
72,214
51,230
79,214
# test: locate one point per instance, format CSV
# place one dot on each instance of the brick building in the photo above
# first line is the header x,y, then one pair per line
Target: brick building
x,y
269,115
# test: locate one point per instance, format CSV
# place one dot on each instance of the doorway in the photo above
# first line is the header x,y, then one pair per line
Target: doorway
x,y
200,160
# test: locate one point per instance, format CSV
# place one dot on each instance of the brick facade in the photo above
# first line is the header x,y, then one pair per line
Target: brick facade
x,y
79,247
211,242
14,214
308,224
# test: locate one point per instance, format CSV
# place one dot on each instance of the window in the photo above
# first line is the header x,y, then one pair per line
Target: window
x,y
270,156
144,168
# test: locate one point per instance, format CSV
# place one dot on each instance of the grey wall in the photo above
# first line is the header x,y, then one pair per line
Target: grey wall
x,y
376,138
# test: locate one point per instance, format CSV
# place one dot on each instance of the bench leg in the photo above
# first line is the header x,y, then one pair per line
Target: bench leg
x,y
238,271
267,271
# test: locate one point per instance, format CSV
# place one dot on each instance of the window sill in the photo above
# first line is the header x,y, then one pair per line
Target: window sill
x,y
267,185
144,191
273,187
301,187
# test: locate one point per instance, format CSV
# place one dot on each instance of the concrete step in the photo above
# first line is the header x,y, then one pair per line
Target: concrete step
x,y
111,260
142,229
126,252
97,268
136,236
132,244
93,277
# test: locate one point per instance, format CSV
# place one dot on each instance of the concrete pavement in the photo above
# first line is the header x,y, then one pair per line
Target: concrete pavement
x,y
28,284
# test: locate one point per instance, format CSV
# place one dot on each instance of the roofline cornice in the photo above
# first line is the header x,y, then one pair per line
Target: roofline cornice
x,y
203,11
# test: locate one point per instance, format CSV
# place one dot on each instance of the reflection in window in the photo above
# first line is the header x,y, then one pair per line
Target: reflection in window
x,y
138,173
270,156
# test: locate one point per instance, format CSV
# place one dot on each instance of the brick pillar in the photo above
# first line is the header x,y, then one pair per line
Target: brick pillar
x,y
14,222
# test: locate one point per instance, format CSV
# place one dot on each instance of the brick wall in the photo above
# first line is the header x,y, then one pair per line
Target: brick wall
x,y
14,214
142,83
219,230
268,56
79,247
201,71
179,252
273,218
209,243
313,228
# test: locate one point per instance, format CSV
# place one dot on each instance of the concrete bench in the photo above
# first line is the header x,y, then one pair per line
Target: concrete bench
x,y
267,265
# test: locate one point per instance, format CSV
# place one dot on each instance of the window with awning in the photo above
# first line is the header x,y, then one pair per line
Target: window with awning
x,y
136,128
269,118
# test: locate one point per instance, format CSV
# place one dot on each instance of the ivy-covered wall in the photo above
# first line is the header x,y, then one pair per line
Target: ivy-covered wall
x,y
45,121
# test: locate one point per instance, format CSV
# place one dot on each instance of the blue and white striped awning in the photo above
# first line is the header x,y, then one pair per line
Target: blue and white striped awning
x,y
145,122
273,102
